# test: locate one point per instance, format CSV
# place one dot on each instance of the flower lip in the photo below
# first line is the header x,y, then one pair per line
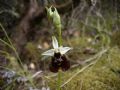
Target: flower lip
x,y
59,62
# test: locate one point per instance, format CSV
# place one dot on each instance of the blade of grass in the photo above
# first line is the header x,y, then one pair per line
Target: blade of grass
x,y
24,70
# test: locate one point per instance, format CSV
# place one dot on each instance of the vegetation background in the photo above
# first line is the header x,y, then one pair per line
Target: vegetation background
x,y
91,27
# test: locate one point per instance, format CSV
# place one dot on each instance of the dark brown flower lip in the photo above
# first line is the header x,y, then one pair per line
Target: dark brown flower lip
x,y
59,62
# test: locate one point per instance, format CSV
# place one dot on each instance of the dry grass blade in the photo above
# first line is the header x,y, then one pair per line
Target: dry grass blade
x,y
84,68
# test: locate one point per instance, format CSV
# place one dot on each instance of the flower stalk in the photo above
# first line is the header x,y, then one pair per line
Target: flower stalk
x,y
57,24
59,61
60,37
59,79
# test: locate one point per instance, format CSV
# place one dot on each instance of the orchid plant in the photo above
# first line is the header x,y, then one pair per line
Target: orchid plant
x,y
59,61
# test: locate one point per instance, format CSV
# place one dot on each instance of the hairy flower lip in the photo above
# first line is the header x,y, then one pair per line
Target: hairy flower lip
x,y
59,62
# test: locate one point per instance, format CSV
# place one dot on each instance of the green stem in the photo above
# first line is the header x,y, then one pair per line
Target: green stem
x,y
60,37
59,80
58,27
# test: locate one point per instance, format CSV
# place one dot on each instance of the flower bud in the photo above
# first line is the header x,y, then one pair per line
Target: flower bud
x,y
54,16
56,19
49,12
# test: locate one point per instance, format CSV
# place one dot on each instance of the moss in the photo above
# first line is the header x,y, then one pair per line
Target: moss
x,y
115,39
97,77
32,49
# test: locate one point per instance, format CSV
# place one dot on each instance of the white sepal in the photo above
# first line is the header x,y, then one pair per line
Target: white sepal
x,y
63,50
54,42
49,53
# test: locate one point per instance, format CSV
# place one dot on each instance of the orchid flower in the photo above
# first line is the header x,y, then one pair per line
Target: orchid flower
x,y
56,48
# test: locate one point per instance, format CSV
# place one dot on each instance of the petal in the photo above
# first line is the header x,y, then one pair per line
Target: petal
x,y
63,50
49,52
54,42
